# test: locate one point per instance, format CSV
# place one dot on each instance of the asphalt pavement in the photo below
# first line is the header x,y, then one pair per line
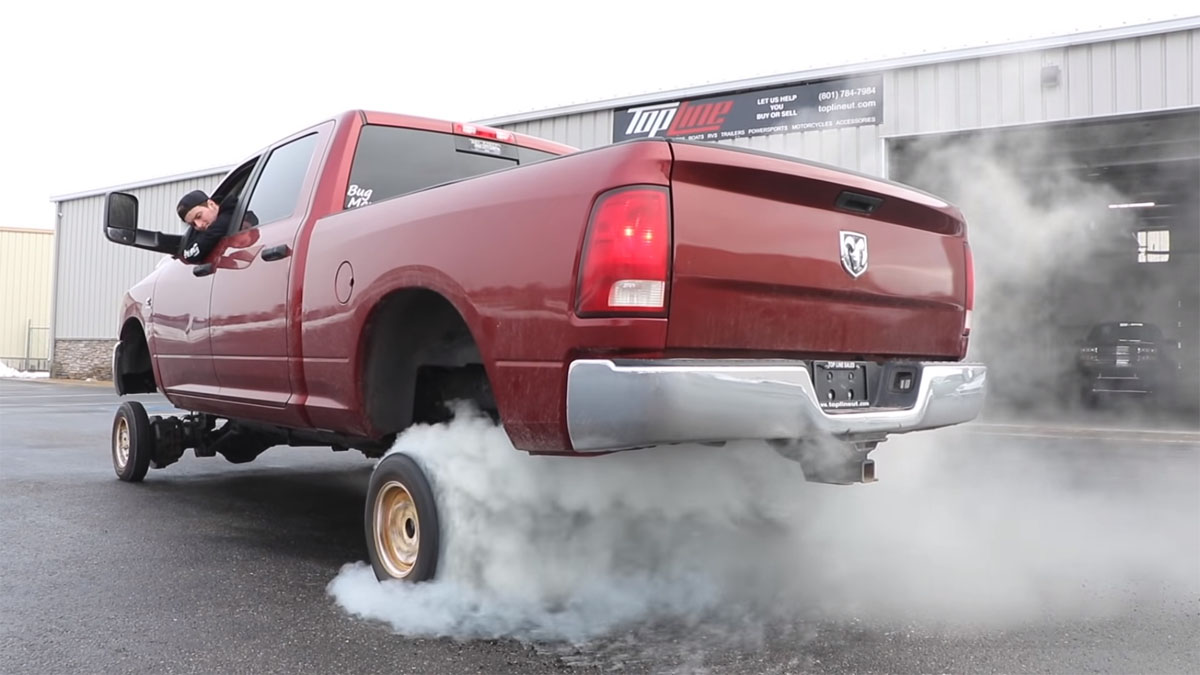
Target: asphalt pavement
x,y
1056,547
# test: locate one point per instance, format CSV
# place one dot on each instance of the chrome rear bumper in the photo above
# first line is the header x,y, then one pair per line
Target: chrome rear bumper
x,y
621,405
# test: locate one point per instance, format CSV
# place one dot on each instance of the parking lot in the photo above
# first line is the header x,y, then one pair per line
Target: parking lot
x,y
1028,548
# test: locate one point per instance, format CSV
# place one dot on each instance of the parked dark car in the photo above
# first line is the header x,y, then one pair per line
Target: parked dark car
x,y
1122,358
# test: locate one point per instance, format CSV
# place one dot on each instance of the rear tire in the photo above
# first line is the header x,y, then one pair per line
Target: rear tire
x,y
132,442
401,521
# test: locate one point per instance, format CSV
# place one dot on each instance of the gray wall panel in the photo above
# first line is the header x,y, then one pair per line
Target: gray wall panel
x,y
776,144
583,131
1033,99
830,152
1193,63
989,93
1126,87
1076,75
1055,101
968,89
94,273
1151,71
847,140
1103,74
560,127
601,129
869,149
904,102
1010,89
946,87
1179,60
926,95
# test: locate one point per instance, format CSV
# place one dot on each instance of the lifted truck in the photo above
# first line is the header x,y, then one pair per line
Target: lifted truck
x,y
639,294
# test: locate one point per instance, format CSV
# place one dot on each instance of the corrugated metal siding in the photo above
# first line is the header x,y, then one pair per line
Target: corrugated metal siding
x,y
853,148
26,270
1124,76
93,273
1118,76
583,131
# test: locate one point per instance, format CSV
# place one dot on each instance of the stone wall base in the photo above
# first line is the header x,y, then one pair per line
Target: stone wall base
x,y
81,359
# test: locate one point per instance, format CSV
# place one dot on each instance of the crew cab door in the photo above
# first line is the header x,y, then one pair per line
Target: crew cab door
x,y
179,330
252,295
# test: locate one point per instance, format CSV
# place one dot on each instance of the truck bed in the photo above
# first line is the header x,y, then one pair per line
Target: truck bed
x,y
758,260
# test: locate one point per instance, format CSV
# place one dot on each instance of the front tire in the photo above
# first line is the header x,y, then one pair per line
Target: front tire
x,y
132,442
401,521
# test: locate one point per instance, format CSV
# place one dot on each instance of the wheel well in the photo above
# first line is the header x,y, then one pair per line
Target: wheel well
x,y
133,370
419,355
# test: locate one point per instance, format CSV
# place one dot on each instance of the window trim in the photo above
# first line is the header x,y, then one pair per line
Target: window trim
x,y
265,161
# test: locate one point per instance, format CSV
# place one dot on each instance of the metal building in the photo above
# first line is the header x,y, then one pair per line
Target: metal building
x,y
26,268
91,274
1075,159
1151,67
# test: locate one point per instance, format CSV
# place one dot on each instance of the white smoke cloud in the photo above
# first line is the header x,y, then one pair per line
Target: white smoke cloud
x,y
1045,246
730,542
568,548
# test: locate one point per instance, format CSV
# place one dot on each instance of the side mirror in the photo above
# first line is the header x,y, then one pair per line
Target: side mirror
x,y
120,226
120,217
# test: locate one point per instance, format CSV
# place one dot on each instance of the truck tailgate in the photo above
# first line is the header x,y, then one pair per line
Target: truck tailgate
x,y
758,260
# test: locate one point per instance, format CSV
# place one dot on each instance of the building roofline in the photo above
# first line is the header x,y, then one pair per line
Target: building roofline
x,y
203,173
1057,41
27,230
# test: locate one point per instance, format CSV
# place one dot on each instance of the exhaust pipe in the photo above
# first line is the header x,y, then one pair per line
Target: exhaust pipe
x,y
822,463
868,471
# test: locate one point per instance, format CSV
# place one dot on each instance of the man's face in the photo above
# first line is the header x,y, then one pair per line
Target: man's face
x,y
200,217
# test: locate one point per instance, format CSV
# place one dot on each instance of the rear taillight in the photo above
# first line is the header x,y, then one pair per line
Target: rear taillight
x,y
970,304
483,132
626,253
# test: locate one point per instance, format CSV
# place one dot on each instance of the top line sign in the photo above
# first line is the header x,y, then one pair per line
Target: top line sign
x,y
832,104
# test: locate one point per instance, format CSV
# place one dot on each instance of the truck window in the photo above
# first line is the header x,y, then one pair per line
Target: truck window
x,y
235,183
277,191
391,161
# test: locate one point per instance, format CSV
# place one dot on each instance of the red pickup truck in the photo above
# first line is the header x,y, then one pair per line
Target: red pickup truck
x,y
634,295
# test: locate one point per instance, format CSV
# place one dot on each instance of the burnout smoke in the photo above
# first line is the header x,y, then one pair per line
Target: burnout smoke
x,y
731,542
964,530
569,548
1051,258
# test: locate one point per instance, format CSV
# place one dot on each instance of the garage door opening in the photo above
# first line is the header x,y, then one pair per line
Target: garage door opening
x,y
1074,225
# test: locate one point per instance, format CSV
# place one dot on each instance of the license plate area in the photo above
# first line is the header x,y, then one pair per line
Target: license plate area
x,y
841,384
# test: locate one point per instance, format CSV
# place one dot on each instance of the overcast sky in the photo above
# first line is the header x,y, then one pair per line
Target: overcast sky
x,y
102,93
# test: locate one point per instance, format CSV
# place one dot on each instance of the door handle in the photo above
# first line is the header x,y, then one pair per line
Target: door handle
x,y
203,270
276,252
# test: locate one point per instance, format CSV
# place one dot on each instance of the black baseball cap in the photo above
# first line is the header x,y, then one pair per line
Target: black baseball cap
x,y
190,201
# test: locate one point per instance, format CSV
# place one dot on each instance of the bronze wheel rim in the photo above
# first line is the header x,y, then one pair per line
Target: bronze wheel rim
x,y
397,529
121,443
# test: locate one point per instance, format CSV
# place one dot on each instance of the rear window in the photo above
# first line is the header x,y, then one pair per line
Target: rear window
x,y
392,161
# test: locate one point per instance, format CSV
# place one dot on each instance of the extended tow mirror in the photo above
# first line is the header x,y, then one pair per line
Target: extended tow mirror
x,y
120,226
120,217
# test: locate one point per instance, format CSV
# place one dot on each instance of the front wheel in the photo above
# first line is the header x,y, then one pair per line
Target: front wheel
x,y
132,442
401,521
